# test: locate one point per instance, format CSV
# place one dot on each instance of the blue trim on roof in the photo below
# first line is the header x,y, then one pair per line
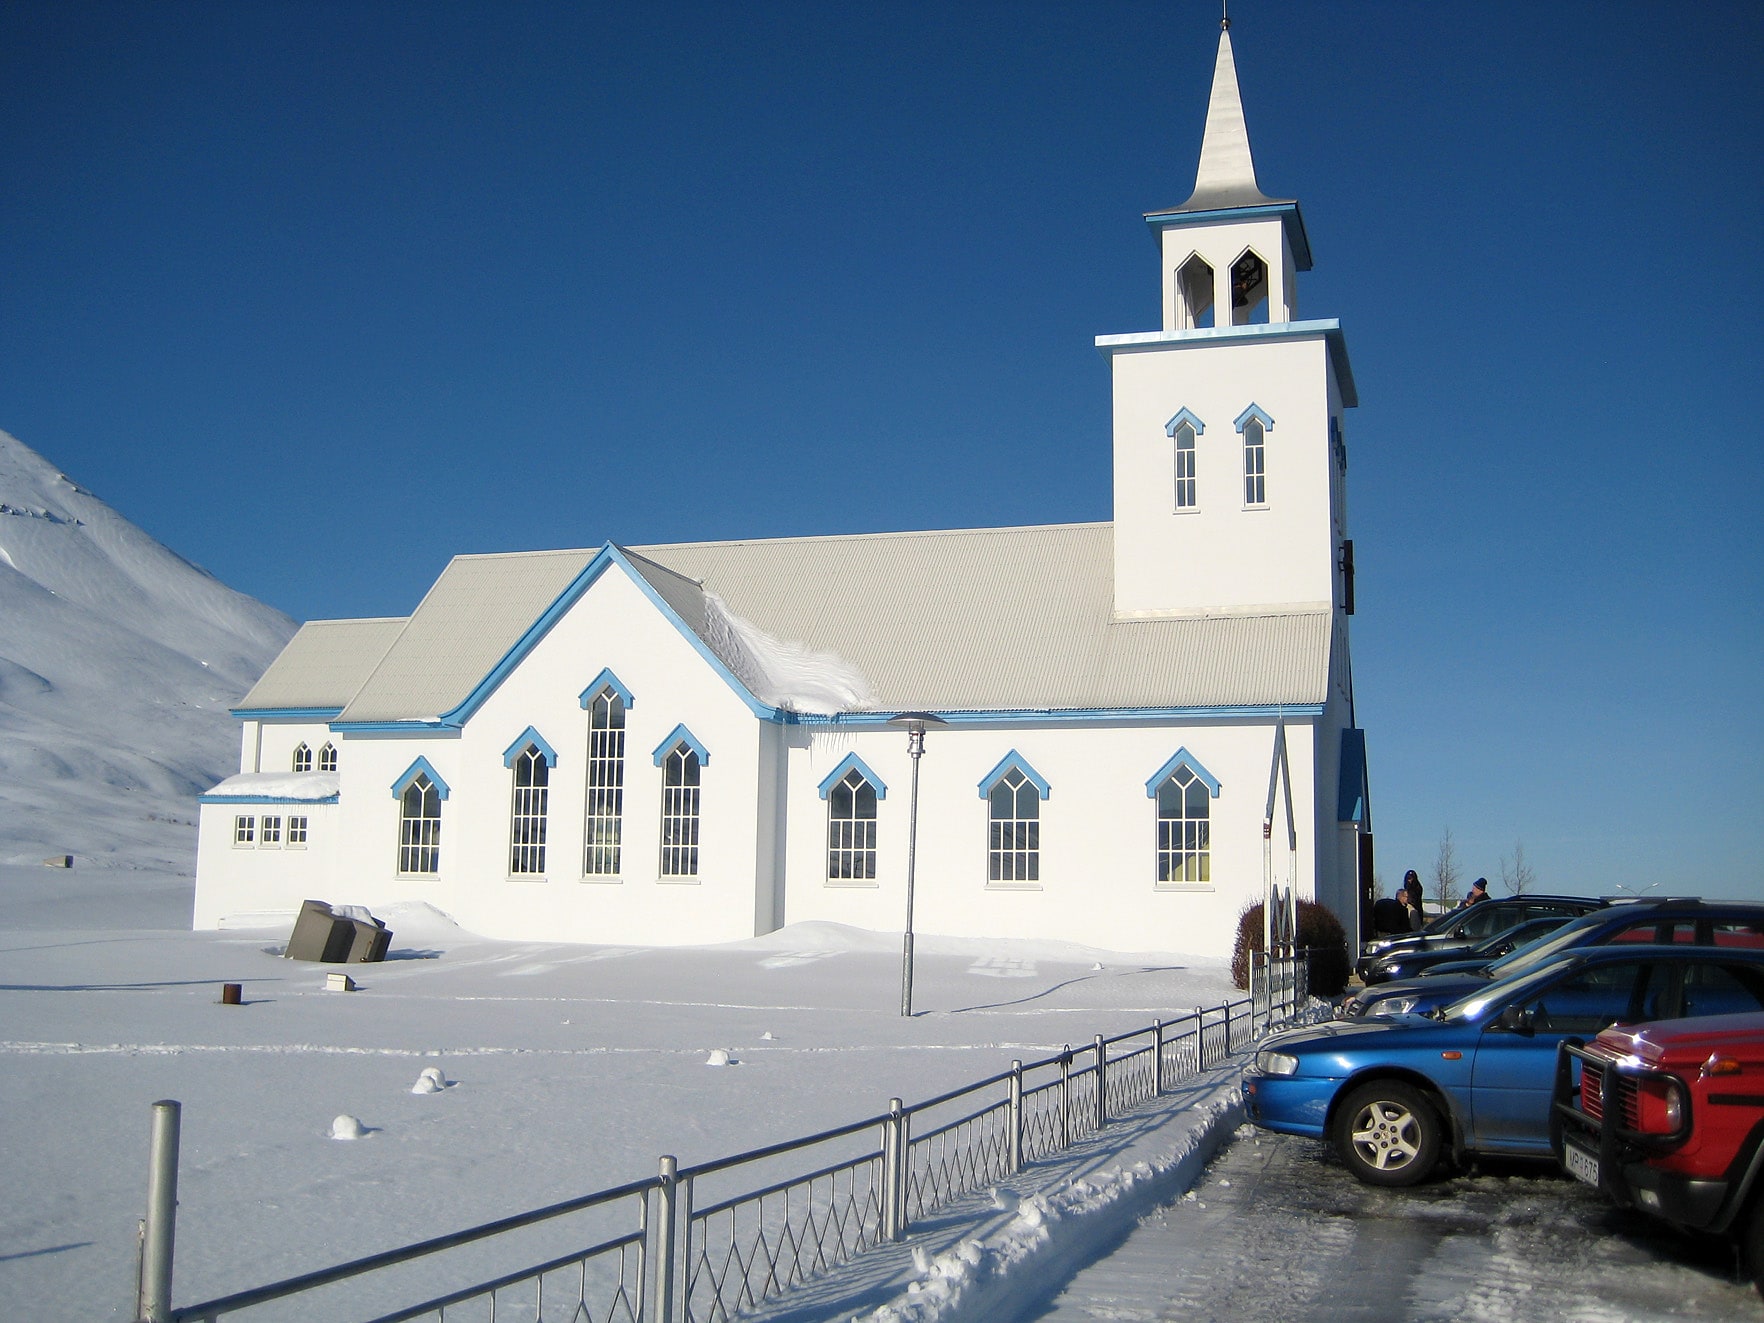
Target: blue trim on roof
x,y
677,736
1258,413
606,679
1182,758
284,713
1062,716
262,799
421,767
846,764
1328,328
529,736
608,555
412,728
1352,798
1291,220
1184,416
1018,761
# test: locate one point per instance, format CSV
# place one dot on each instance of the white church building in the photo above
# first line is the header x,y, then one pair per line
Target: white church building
x,y
1139,725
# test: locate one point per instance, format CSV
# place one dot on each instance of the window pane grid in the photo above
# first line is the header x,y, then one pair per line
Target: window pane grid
x,y
302,758
419,828
327,760
1185,491
1184,829
244,830
1255,482
851,830
604,818
296,831
1014,844
680,807
532,794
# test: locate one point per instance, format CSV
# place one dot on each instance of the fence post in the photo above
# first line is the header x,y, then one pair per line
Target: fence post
x,y
893,1220
662,1242
1157,1058
1066,1096
159,1228
1016,1117
1102,1083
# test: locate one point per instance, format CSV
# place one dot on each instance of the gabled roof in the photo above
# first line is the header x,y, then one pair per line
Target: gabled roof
x,y
989,620
323,666
1003,619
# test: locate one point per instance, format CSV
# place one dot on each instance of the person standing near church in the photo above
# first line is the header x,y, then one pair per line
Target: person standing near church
x,y
1410,895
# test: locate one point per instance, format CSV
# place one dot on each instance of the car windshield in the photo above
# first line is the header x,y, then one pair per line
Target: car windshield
x,y
1528,956
1515,988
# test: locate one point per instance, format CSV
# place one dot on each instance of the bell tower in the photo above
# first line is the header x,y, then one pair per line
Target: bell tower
x,y
1229,458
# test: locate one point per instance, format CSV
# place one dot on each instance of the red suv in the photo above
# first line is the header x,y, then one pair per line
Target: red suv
x,y
1669,1118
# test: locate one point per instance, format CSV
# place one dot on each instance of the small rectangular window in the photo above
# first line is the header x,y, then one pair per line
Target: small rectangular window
x,y
297,833
270,837
245,829
1255,461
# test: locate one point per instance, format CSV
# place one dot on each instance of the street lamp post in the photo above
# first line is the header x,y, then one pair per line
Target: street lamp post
x,y
914,724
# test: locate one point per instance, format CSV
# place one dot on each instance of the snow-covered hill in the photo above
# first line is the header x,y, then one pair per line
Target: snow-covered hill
x,y
118,661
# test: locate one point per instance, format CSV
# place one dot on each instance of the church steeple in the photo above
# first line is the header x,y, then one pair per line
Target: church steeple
x,y
1227,173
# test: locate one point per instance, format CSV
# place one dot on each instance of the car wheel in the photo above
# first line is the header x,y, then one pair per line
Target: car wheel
x,y
1388,1134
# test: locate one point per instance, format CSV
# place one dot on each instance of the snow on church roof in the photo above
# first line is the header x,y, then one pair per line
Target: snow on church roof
x,y
967,620
1003,619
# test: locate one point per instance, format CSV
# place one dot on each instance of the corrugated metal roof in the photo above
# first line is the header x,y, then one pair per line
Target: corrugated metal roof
x,y
324,664
1003,619
477,610
967,620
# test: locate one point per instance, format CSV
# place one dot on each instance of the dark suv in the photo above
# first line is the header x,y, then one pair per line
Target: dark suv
x,y
1472,923
1678,922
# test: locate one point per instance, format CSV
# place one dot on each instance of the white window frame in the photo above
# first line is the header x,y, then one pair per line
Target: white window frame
x,y
419,833
603,813
681,811
244,831
298,830
1184,838
530,774
269,831
327,757
851,835
302,761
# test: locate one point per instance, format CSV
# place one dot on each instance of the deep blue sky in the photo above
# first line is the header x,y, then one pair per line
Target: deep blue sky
x,y
322,294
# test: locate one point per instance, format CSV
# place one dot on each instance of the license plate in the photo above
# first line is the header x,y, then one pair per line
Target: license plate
x,y
1583,1166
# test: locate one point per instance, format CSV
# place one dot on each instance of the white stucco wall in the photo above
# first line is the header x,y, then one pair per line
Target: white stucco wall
x,y
1221,554
1098,833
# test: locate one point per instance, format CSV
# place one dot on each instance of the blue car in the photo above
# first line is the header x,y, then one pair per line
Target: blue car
x,y
1399,1096
1694,922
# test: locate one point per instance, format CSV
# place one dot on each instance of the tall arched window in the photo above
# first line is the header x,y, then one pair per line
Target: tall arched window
x,y
680,806
1185,848
603,823
1254,426
1013,794
302,757
327,761
851,829
419,826
532,796
1255,464
1184,791
1184,467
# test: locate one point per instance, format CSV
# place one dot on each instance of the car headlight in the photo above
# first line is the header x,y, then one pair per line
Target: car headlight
x,y
1393,1006
1276,1063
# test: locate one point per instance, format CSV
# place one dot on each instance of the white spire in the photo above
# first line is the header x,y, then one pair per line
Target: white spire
x,y
1227,174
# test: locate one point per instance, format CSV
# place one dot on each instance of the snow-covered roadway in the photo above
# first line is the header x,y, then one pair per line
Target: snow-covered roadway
x,y
1277,1229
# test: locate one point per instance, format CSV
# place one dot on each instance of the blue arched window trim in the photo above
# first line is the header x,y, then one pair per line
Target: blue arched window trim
x,y
1184,416
421,767
1256,412
1018,761
1182,758
678,735
526,737
605,680
850,761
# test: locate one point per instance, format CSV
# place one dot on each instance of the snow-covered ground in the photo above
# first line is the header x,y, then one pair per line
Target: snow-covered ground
x,y
567,1069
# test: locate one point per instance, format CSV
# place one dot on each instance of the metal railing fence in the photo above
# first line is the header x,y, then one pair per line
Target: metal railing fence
x,y
704,1243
